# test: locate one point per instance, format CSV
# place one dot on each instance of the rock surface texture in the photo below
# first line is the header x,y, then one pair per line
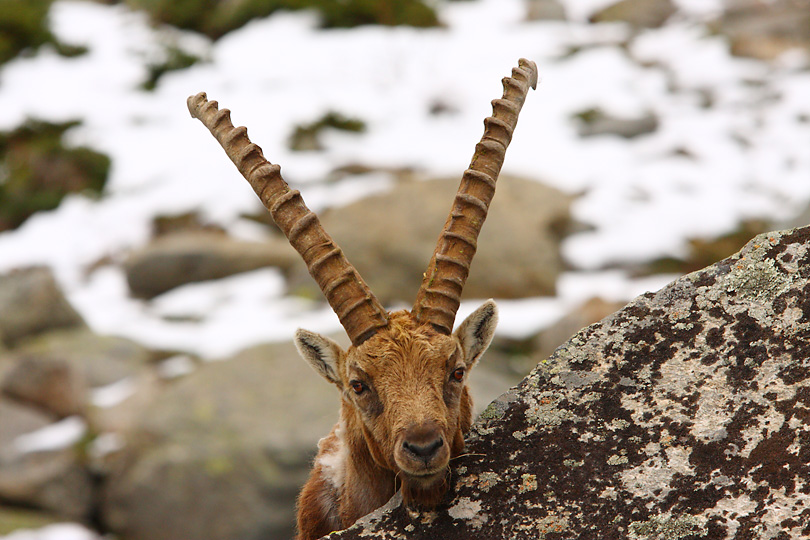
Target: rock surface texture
x,y
684,415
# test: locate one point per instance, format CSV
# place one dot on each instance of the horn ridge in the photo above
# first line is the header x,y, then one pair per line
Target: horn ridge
x,y
439,297
360,313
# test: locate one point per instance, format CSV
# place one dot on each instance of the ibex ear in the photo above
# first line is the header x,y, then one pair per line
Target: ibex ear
x,y
476,332
322,353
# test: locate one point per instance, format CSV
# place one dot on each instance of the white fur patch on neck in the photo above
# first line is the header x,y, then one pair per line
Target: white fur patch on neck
x,y
332,455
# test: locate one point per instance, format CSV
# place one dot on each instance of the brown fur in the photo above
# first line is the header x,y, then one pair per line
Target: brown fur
x,y
411,400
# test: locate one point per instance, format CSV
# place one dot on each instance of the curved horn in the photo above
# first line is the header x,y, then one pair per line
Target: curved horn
x,y
440,294
360,313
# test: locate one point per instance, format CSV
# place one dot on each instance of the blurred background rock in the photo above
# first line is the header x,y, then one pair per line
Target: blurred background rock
x,y
140,442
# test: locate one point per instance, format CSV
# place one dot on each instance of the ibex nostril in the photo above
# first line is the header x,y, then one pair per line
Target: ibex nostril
x,y
424,451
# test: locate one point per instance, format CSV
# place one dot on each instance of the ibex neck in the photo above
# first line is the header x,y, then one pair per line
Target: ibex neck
x,y
366,486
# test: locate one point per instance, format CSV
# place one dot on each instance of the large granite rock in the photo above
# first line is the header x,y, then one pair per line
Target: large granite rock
x,y
522,233
684,415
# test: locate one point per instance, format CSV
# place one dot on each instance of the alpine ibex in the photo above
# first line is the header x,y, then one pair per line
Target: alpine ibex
x,y
405,404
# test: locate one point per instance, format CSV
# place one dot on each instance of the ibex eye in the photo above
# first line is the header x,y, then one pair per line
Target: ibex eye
x,y
458,374
358,387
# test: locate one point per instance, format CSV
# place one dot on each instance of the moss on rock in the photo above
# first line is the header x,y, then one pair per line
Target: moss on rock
x,y
37,170
216,18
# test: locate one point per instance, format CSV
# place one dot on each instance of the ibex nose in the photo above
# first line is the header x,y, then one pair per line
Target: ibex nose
x,y
424,451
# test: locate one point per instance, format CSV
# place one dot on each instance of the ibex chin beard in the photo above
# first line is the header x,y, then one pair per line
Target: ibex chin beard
x,y
425,492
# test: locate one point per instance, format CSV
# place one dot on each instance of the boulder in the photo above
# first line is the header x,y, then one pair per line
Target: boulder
x,y
52,479
46,382
764,30
637,13
684,415
178,258
390,238
222,452
545,10
595,122
60,370
31,302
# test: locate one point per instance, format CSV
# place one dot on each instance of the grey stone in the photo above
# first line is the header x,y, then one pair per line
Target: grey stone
x,y
60,372
97,360
191,256
49,383
222,452
638,13
31,302
596,122
545,10
764,30
683,415
390,238
53,480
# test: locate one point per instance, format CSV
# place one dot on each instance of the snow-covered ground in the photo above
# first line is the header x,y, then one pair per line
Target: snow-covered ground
x,y
59,531
704,170
698,175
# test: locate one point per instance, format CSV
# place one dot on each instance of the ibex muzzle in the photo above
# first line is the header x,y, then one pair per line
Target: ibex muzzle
x,y
405,405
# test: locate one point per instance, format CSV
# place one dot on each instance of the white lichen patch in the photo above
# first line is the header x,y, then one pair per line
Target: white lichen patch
x,y
713,414
678,460
731,510
650,480
609,493
792,316
781,508
766,424
468,510
617,460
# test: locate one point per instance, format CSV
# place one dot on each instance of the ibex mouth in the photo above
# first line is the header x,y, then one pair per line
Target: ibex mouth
x,y
424,491
427,476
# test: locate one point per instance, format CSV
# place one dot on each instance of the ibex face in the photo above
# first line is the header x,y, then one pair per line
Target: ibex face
x,y
407,388
405,404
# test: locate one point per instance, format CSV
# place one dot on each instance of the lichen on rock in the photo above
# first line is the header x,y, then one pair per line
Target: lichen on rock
x,y
683,415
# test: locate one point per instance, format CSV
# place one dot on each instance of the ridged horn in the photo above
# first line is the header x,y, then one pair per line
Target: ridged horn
x,y
439,297
360,313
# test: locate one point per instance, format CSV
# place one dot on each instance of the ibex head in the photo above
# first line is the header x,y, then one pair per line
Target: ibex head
x,y
408,387
406,405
